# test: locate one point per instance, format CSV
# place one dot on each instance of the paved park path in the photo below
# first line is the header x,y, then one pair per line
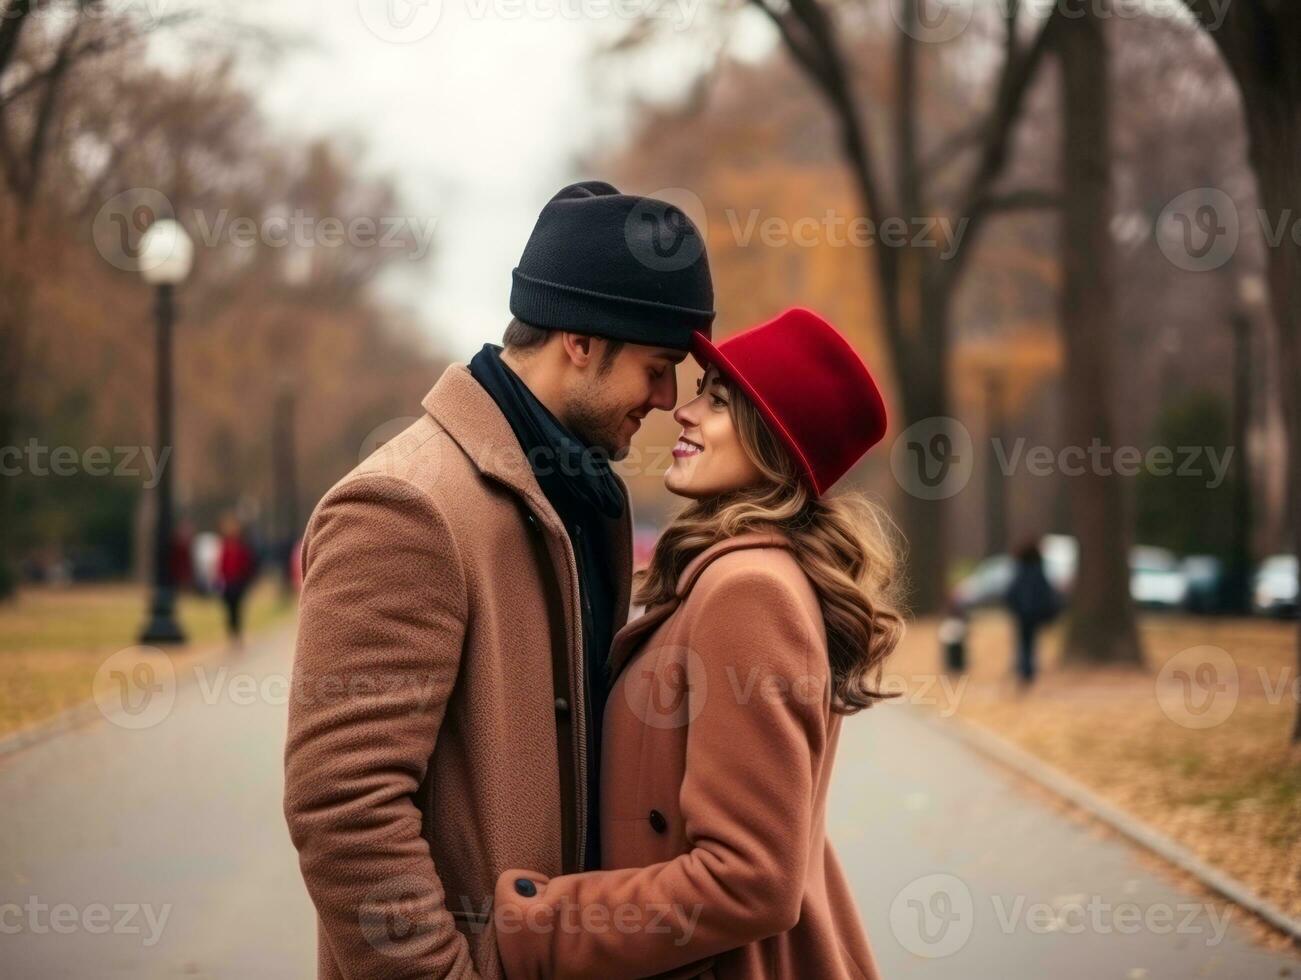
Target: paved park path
x,y
160,851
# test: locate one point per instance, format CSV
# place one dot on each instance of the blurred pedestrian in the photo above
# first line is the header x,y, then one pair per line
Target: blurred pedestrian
x,y
180,557
1034,603
205,550
953,639
236,566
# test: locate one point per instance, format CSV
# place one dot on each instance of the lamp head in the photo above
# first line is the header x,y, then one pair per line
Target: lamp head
x,y
166,253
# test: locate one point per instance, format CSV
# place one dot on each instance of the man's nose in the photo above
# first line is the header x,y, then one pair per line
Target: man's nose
x,y
665,395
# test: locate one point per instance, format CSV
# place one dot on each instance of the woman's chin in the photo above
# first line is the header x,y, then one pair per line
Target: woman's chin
x,y
677,480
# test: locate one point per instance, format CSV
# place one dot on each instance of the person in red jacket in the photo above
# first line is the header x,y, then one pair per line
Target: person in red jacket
x,y
235,569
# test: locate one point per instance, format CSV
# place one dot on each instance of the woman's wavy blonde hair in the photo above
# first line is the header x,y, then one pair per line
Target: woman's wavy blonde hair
x,y
847,546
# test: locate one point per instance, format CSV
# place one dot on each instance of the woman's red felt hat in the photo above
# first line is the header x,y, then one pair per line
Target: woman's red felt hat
x,y
809,384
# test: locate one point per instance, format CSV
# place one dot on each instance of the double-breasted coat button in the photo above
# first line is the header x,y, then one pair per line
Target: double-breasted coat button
x,y
657,822
562,706
523,886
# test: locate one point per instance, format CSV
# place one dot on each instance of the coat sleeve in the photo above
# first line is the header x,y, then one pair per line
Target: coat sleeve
x,y
381,623
746,800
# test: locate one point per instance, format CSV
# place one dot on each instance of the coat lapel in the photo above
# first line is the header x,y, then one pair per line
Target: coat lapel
x,y
463,408
629,639
470,416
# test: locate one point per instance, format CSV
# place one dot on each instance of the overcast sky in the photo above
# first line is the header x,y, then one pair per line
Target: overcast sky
x,y
478,108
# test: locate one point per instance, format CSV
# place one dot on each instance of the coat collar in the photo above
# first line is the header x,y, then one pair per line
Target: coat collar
x,y
747,539
469,415
627,639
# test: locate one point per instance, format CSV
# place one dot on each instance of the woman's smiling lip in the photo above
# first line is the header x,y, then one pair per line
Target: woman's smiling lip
x,y
685,447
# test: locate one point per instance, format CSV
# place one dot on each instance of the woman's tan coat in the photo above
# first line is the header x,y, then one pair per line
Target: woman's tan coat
x,y
718,746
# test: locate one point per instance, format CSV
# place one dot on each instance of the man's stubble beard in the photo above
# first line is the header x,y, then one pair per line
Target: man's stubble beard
x,y
591,420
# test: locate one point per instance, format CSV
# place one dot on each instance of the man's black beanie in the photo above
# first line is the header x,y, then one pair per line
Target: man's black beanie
x,y
615,265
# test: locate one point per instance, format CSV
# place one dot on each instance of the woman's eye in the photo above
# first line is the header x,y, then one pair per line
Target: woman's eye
x,y
718,402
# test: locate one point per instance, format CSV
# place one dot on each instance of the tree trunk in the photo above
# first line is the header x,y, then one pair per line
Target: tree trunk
x,y
914,300
1102,626
927,473
14,292
1274,128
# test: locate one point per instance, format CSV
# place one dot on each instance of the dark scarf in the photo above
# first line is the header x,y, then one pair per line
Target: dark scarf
x,y
575,477
577,481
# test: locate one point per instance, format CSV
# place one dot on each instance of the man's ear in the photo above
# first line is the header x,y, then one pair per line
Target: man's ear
x,y
578,348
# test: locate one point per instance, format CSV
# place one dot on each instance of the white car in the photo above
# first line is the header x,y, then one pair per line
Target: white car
x,y
1274,588
1156,579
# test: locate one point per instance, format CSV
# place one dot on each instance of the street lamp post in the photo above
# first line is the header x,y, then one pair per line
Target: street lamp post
x,y
166,254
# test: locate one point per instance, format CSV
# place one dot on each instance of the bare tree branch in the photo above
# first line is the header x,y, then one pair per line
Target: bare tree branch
x,y
101,45
45,111
905,113
810,37
13,18
950,148
1017,74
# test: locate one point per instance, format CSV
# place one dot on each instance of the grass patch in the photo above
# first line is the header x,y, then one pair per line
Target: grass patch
x,y
53,640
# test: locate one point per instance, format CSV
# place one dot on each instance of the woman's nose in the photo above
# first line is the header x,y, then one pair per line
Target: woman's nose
x,y
683,415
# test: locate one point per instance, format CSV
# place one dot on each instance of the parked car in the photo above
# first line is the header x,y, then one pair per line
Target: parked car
x,y
1274,587
1206,578
1156,580
985,585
